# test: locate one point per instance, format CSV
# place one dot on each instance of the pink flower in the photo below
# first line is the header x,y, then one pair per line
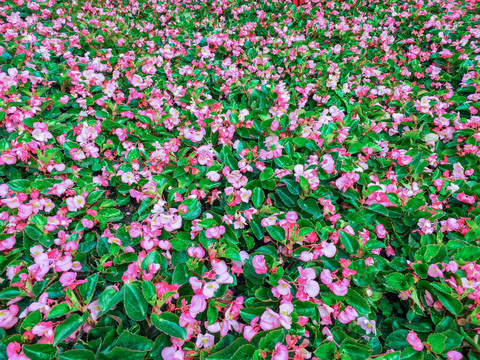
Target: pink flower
x,y
367,325
280,352
198,305
40,132
213,176
454,355
328,249
251,330
67,278
452,267
284,315
94,309
413,340
269,320
87,223
210,288
283,288
45,330
14,351
311,288
215,232
259,265
8,158
381,232
347,315
434,271
195,283
8,318
328,164
326,277
24,211
205,341
75,203
237,179
171,352
196,252
340,288
8,243
64,99
3,190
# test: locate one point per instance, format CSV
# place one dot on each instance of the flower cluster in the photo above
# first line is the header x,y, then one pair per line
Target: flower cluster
x,y
239,180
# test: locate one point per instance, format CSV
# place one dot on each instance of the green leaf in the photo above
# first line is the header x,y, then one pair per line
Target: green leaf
x,y
152,258
58,310
305,308
245,352
310,206
397,340
349,242
31,320
181,274
277,233
355,350
357,300
437,342
134,342
19,185
467,254
77,355
102,114
87,289
119,353
266,174
273,337
326,351
451,304
287,198
454,340
109,298
135,303
149,291
229,351
168,323
11,292
68,327
212,312
391,356
258,197
399,281
111,215
40,351
133,154
95,195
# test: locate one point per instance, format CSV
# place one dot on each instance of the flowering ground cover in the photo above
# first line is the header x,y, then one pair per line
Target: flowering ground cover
x,y
239,180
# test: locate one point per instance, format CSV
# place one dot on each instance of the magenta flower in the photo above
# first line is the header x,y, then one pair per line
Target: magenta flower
x,y
8,317
434,271
205,341
210,288
367,325
269,320
283,288
215,232
413,340
454,355
284,315
328,164
340,287
259,264
280,352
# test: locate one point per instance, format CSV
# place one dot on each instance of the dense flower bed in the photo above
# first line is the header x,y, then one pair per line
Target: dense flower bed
x,y
239,180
